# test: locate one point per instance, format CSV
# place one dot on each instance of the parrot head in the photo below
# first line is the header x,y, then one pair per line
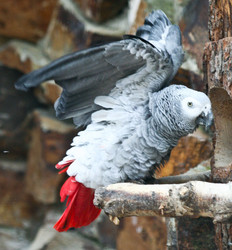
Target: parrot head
x,y
195,108
183,109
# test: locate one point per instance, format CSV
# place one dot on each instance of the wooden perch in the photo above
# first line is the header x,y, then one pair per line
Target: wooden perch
x,y
193,199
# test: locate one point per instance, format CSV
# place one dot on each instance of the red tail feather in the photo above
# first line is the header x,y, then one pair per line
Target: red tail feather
x,y
66,164
80,210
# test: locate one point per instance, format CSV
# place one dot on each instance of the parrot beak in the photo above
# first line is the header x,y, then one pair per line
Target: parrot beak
x,y
205,119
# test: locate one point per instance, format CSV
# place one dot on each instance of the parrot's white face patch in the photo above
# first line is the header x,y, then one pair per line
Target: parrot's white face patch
x,y
193,108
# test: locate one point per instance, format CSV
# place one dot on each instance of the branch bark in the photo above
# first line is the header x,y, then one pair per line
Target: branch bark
x,y
172,242
193,199
217,75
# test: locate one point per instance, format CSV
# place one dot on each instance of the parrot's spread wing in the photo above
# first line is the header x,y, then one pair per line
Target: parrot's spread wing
x,y
148,61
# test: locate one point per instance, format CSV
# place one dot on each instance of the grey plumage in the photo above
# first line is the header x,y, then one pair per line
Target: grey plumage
x,y
122,91
92,72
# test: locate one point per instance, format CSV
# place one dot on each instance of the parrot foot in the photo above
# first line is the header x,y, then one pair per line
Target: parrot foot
x,y
148,180
139,181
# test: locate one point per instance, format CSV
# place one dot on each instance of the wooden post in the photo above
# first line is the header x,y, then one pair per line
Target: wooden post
x,y
218,76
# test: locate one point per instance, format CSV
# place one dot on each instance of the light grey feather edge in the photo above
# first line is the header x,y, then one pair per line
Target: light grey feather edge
x,y
92,72
117,63
155,25
158,23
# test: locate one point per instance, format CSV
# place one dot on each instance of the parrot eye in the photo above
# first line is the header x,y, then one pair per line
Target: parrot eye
x,y
190,104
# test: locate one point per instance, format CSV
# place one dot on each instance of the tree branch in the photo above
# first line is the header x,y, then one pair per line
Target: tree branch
x,y
193,199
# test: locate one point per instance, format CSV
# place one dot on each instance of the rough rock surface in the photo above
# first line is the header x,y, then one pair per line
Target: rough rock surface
x,y
28,19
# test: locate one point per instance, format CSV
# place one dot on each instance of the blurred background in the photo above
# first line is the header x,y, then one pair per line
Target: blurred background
x,y
32,140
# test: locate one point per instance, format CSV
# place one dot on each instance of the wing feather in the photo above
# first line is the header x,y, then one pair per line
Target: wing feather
x,y
132,67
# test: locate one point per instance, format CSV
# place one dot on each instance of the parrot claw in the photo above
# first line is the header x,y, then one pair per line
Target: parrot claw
x,y
115,219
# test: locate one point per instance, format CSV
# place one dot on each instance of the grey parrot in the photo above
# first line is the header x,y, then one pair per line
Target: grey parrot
x,y
121,92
